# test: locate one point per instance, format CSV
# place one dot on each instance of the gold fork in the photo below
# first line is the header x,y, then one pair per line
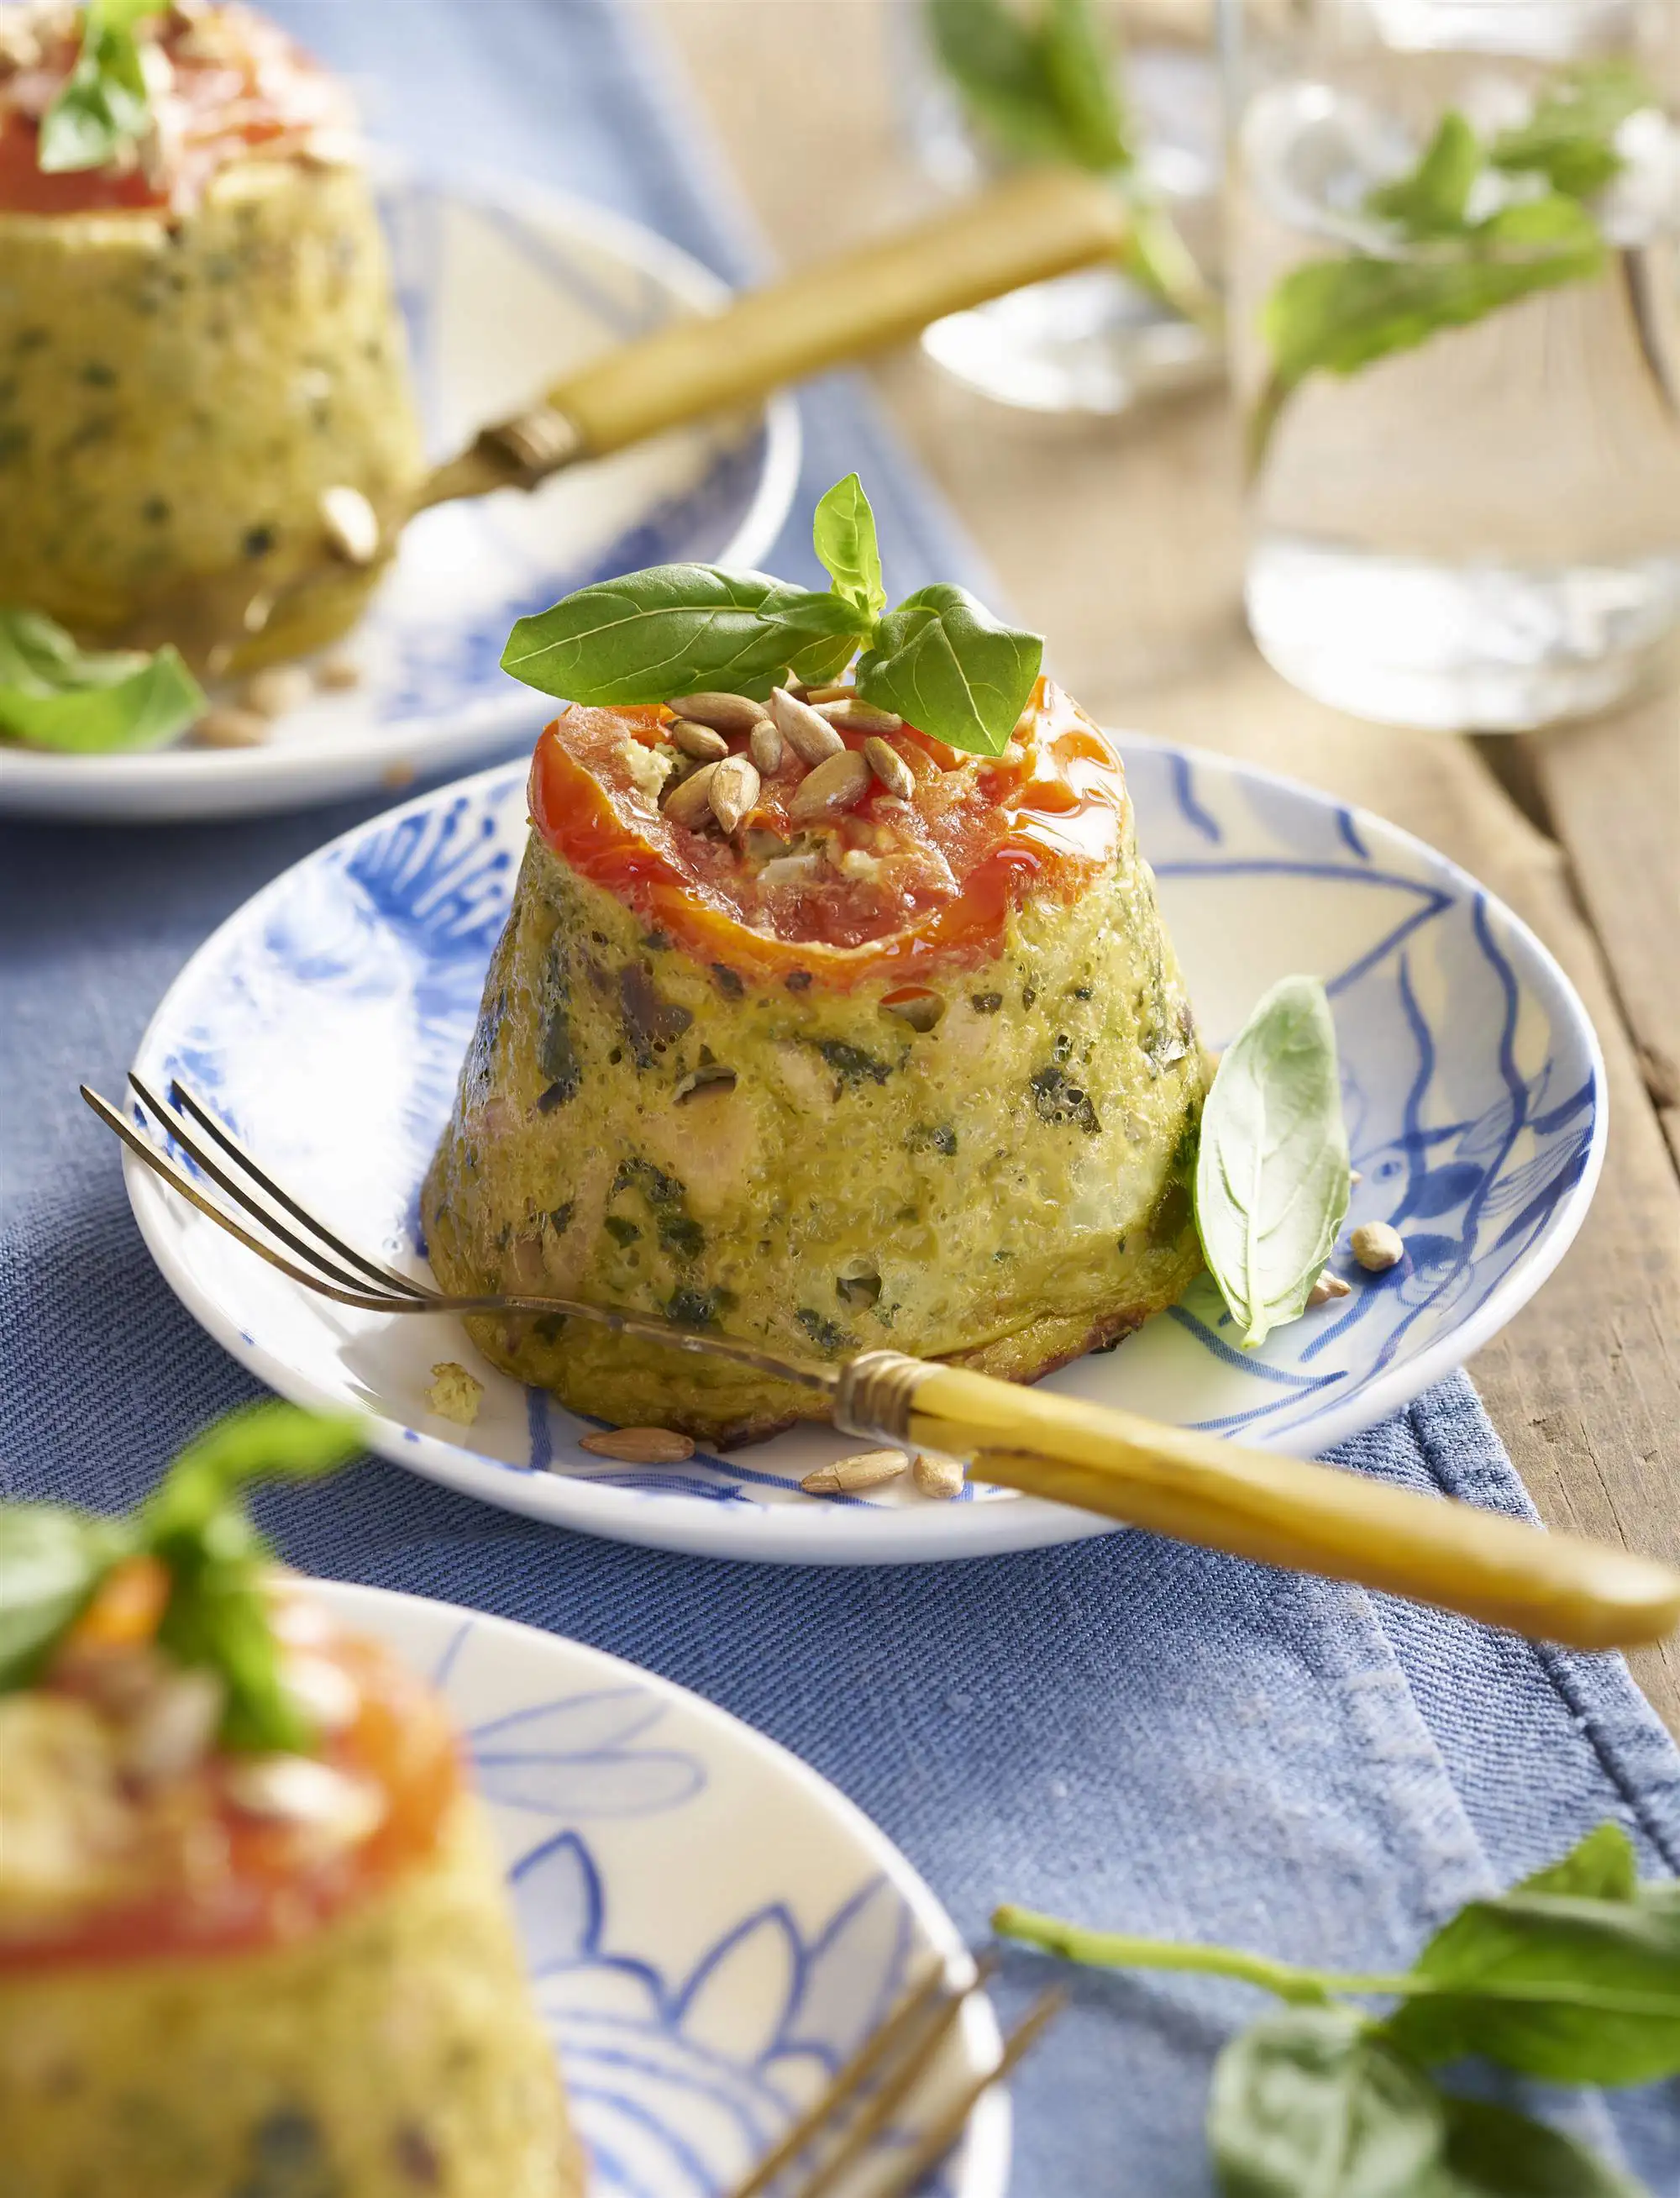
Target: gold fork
x,y
1196,1487
882,2077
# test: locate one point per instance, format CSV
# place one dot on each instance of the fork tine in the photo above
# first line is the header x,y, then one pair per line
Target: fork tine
x,y
375,1270
938,2141
161,1164
193,1147
856,2071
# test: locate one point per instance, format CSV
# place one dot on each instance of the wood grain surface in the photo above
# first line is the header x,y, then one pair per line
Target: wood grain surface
x,y
1123,540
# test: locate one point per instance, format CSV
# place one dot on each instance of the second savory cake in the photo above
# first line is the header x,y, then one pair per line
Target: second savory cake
x,y
913,1067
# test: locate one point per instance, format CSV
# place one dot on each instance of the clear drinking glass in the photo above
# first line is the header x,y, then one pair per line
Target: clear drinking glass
x,y
1091,341
1481,531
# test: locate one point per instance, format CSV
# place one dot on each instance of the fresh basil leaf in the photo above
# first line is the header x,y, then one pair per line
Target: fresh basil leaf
x,y
998,63
1430,200
843,533
1602,1867
1571,1990
1310,2100
53,694
1570,137
672,629
821,662
943,663
1492,2152
104,104
1272,1168
1081,66
51,1560
195,1500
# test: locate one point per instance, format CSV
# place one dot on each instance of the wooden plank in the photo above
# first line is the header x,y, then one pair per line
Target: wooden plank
x,y
1123,540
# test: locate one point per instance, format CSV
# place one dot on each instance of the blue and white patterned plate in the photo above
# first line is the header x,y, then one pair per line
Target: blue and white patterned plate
x,y
328,1018
503,287
695,2012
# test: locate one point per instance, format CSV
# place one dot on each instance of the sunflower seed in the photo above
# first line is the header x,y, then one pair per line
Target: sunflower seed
x,y
172,1730
698,740
1327,1287
921,1010
725,713
639,1445
1377,1246
689,801
858,717
734,791
840,691
352,524
714,1077
812,738
223,728
335,674
847,1476
764,745
941,1478
840,783
889,767
278,689
300,1789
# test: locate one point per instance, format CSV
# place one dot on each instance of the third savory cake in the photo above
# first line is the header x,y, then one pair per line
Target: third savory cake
x,y
903,1058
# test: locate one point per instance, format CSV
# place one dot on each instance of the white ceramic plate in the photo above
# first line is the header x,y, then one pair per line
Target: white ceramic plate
x,y
326,1020
696,2010
503,287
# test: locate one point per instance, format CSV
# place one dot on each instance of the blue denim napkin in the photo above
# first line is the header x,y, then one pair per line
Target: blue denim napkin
x,y
1123,1730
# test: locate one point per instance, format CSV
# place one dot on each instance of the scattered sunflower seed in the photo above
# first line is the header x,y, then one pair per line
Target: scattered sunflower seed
x,y
841,691
725,713
764,745
174,1725
334,674
921,1010
734,791
1355,1176
849,1476
858,717
689,801
812,738
941,1478
352,524
226,728
839,783
257,614
889,767
1327,1287
278,689
697,740
1377,1246
639,1445
714,1077
300,1789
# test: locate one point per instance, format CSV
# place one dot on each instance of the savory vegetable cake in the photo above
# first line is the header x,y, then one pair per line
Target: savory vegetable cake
x,y
874,1044
201,365
253,1934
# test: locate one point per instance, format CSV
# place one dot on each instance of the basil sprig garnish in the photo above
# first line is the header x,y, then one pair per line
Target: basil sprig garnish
x,y
1271,1185
1573,1976
1045,86
939,659
52,1560
104,104
53,694
1451,266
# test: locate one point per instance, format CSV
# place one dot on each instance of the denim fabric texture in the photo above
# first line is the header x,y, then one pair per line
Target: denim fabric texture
x,y
1122,1730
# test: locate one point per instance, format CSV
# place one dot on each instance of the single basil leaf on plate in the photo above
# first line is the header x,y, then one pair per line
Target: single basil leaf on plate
x,y
943,663
997,63
1570,138
672,629
1430,200
843,532
1311,2100
1570,1990
104,104
51,1560
56,696
1492,2152
1272,1168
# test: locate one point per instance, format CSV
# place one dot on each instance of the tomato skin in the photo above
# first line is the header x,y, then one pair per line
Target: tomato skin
x,y
236,1882
1045,820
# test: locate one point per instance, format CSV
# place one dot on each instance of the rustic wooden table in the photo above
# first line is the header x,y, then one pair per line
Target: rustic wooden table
x,y
1122,541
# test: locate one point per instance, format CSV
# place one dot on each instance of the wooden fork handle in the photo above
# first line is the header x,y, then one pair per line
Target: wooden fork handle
x,y
1279,1510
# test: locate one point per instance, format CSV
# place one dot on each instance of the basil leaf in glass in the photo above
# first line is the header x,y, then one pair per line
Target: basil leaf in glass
x,y
1430,200
1272,1168
996,61
1081,67
843,533
1310,2100
1491,2152
1570,138
51,1560
945,665
56,696
104,104
673,630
